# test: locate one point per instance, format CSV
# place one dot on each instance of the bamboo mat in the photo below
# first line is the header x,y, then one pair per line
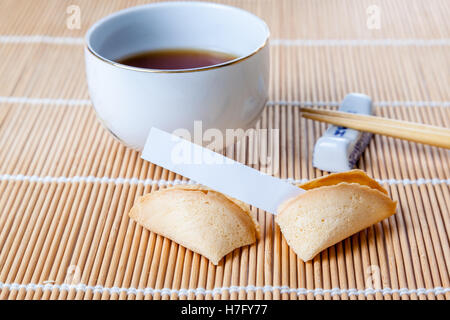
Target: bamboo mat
x,y
66,185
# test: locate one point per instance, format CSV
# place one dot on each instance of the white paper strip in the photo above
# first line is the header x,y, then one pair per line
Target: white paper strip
x,y
217,172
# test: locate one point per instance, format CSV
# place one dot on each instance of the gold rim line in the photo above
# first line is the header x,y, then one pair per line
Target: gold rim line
x,y
216,66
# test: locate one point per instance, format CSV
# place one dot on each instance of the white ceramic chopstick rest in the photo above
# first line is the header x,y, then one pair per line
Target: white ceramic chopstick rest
x,y
340,148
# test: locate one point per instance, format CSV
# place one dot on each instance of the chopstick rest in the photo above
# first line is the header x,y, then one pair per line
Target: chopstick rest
x,y
339,148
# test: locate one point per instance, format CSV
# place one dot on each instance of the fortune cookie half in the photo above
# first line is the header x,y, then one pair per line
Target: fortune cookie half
x,y
334,207
198,218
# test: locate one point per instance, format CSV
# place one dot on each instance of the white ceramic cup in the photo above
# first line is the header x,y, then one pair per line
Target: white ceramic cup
x,y
129,100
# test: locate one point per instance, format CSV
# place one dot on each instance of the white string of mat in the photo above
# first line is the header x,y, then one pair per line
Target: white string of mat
x,y
375,103
162,182
86,102
221,290
46,101
274,42
359,42
41,39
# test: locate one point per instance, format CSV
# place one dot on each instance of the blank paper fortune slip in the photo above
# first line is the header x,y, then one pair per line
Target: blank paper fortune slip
x,y
217,172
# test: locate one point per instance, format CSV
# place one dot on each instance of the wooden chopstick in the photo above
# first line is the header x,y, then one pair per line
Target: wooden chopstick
x,y
416,132
374,119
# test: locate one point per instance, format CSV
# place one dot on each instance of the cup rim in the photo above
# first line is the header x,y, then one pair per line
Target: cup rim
x,y
169,4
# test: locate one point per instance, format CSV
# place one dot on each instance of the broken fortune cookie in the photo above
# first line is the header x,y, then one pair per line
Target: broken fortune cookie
x,y
198,218
334,207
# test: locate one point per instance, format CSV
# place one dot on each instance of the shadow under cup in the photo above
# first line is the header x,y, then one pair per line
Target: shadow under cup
x,y
130,100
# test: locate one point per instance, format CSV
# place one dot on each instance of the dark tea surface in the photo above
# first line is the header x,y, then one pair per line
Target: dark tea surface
x,y
173,59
